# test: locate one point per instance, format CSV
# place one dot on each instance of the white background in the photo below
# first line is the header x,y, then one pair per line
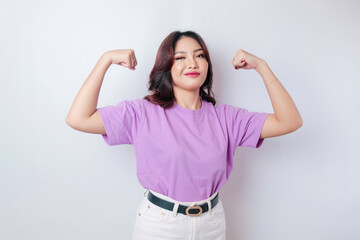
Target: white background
x,y
59,183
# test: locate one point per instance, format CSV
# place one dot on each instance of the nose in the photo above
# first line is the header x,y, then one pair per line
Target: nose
x,y
193,63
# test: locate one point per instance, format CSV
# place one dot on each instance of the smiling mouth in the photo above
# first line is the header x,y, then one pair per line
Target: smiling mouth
x,y
192,75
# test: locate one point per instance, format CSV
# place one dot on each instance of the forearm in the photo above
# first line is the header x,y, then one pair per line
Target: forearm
x,y
85,102
284,107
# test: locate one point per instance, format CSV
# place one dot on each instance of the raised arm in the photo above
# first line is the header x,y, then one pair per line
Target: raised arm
x,y
83,115
286,118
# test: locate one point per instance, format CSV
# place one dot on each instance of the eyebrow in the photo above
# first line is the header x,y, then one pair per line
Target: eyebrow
x,y
200,49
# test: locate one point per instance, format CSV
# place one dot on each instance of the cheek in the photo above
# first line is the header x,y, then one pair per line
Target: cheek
x,y
205,65
176,69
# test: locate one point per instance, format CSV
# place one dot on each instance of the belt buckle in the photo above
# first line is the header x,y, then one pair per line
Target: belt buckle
x,y
193,214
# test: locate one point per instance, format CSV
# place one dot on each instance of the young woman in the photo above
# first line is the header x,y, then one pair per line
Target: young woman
x,y
184,143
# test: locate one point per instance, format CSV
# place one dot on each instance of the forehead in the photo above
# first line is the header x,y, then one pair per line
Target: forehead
x,y
185,43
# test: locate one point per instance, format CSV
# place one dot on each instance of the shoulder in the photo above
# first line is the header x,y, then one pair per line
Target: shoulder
x,y
231,112
143,106
137,103
227,108
131,106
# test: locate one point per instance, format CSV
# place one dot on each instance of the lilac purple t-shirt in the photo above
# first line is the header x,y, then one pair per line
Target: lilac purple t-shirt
x,y
182,153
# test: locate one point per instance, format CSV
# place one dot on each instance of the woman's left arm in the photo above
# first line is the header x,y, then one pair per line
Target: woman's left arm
x,y
286,118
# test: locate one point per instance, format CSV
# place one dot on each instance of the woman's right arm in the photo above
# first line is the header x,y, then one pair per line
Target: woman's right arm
x,y
83,114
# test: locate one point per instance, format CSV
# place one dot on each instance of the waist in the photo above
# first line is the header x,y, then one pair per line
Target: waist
x,y
162,196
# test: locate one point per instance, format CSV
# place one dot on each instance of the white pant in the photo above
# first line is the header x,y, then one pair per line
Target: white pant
x,y
156,223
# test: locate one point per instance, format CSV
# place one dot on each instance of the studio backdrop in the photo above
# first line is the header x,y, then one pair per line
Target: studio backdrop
x,y
59,183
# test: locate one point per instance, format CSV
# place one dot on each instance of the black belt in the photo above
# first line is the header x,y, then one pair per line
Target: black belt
x,y
195,210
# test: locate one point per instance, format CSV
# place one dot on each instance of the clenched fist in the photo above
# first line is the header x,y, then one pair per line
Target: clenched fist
x,y
245,60
123,57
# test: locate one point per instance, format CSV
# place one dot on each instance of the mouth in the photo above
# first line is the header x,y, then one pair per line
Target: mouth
x,y
192,74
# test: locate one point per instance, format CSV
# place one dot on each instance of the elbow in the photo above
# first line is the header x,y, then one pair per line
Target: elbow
x,y
298,124
295,125
70,122
293,128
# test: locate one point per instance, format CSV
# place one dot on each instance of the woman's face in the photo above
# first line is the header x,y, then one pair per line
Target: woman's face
x,y
190,66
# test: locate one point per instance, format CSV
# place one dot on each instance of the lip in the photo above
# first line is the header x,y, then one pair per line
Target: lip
x,y
192,74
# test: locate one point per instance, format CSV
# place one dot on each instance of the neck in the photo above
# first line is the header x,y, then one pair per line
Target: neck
x,y
190,101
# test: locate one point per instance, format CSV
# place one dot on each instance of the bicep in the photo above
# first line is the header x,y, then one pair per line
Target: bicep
x,y
94,124
273,128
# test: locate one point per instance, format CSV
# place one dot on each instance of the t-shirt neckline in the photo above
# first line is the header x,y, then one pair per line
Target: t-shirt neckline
x,y
190,111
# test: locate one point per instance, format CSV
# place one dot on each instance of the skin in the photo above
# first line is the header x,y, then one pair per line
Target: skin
x,y
286,118
188,57
83,115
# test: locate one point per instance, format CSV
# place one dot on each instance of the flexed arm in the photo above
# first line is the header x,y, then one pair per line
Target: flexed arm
x,y
286,117
83,115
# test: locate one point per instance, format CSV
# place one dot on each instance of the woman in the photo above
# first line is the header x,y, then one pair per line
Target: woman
x,y
184,144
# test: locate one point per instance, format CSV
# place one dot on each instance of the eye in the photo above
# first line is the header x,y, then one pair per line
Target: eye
x,y
178,58
201,55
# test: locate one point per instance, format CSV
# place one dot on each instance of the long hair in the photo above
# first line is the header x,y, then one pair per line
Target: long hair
x,y
160,82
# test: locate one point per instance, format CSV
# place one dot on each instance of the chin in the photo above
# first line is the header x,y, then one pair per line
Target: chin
x,y
190,84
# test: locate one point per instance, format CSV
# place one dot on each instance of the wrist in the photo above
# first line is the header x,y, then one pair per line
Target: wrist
x,y
106,59
261,66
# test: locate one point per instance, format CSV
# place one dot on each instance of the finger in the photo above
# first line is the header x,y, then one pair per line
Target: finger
x,y
242,62
239,65
134,62
130,61
234,61
236,64
124,64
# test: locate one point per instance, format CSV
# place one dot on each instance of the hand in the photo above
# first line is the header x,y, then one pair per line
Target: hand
x,y
245,60
123,57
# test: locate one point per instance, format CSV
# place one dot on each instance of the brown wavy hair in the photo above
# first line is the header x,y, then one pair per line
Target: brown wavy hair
x,y
160,82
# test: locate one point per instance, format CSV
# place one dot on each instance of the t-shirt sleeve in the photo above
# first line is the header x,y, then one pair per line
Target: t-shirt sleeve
x,y
244,126
121,122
